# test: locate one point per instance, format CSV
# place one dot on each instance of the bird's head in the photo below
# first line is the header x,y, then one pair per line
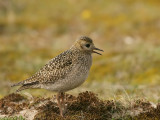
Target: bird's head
x,y
86,44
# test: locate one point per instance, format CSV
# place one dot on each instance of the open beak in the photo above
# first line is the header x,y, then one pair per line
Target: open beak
x,y
98,50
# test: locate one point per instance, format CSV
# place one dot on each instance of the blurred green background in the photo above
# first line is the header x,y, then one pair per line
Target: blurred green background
x,y
32,32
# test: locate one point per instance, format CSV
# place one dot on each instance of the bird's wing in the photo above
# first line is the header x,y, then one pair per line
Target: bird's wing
x,y
57,68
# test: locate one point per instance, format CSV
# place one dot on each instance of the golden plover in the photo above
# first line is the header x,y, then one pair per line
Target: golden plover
x,y
64,72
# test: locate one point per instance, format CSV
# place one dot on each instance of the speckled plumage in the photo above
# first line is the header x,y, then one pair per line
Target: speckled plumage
x,y
64,72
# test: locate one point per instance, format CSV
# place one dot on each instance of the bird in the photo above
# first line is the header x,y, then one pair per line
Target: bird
x,y
64,72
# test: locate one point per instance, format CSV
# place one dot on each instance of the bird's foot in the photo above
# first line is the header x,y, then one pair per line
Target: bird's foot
x,y
64,109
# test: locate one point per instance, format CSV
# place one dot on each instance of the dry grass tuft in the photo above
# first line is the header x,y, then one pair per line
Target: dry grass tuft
x,y
12,103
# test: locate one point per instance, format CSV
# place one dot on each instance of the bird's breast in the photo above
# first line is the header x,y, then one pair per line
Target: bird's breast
x,y
78,74
80,71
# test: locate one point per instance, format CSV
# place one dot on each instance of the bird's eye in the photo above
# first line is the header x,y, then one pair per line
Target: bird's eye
x,y
87,45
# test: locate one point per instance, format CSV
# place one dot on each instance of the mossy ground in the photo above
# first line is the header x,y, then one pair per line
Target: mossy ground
x,y
86,106
31,33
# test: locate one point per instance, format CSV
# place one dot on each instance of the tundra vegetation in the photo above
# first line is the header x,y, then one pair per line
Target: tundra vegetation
x,y
124,81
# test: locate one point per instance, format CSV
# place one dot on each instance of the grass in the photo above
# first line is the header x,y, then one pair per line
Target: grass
x,y
31,33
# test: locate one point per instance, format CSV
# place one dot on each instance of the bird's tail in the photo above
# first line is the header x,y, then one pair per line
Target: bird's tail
x,y
23,85
22,88
18,84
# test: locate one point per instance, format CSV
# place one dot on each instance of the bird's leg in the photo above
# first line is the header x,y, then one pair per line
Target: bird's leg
x,y
63,102
59,104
